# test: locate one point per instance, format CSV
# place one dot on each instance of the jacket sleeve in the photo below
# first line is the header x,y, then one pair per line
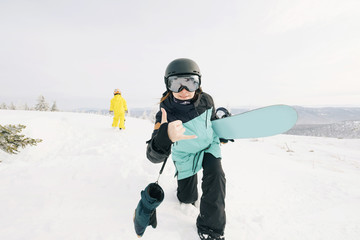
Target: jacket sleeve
x,y
111,105
159,146
125,106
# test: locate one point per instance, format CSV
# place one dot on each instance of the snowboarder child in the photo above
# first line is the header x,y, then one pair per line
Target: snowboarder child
x,y
183,128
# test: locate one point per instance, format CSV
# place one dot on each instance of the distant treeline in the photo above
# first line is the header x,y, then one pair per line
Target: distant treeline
x,y
41,105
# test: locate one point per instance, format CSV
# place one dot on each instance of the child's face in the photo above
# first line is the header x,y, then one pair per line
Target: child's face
x,y
184,95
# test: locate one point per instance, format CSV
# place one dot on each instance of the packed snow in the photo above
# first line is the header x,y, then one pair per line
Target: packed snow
x,y
84,181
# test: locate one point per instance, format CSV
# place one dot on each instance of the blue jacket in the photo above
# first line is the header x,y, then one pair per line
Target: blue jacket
x,y
186,154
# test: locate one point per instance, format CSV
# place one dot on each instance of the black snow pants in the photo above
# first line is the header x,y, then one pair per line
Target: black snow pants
x,y
212,218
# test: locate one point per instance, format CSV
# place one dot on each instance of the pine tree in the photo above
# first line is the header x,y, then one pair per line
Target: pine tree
x,y
3,106
12,106
10,140
42,104
54,107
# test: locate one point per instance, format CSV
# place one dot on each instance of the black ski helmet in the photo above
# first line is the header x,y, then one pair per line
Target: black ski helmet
x,y
182,66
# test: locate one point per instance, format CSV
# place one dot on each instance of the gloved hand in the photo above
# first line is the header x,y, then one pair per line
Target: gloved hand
x,y
111,112
223,140
223,113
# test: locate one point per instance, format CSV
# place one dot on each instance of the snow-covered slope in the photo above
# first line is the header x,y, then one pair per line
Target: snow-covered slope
x,y
84,181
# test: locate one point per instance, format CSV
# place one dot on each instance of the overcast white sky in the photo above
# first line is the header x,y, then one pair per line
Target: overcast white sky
x,y
251,53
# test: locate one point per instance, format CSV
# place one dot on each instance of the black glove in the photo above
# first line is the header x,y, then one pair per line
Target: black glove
x,y
222,112
223,140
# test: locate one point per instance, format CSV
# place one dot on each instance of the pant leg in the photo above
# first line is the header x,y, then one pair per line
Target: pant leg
x,y
187,189
116,119
212,216
122,120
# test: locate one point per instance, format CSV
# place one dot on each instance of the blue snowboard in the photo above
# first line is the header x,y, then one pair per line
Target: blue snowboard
x,y
261,122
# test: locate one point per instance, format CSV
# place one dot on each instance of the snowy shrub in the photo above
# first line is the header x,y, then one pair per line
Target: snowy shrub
x,y
3,106
54,107
12,106
42,105
11,140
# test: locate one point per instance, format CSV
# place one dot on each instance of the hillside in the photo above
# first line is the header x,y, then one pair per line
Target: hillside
x,y
346,129
84,180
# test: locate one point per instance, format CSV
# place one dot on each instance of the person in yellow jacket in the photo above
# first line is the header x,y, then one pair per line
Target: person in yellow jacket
x,y
118,107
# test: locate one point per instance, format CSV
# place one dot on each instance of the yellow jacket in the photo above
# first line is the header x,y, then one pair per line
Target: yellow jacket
x,y
118,104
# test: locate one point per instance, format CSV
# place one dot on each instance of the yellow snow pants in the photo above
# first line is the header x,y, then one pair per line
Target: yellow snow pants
x,y
119,120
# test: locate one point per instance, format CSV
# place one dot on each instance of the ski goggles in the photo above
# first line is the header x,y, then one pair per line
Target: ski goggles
x,y
178,83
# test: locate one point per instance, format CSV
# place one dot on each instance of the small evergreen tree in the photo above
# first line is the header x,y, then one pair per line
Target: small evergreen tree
x,y
42,105
3,106
10,140
54,107
12,106
26,107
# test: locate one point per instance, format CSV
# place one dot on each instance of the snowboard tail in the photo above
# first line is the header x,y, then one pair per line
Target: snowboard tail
x,y
261,122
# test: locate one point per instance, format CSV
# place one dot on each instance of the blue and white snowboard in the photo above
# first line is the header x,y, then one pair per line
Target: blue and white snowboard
x,y
261,122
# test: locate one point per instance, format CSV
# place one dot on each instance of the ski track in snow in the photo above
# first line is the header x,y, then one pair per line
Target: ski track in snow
x,y
84,181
